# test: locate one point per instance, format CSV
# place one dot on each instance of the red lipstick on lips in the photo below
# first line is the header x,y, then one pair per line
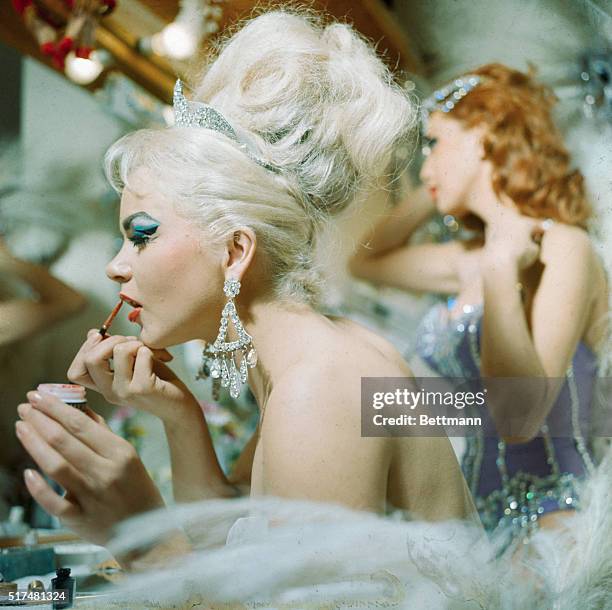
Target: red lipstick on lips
x,y
135,313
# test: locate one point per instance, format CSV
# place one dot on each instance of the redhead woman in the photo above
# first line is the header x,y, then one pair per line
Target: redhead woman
x,y
527,295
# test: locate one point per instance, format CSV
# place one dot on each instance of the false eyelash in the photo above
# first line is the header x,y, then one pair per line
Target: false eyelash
x,y
140,240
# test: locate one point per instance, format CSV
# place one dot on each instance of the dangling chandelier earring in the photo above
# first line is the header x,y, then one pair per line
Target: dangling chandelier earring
x,y
219,358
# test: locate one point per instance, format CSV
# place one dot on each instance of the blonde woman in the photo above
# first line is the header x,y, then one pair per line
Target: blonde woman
x,y
220,216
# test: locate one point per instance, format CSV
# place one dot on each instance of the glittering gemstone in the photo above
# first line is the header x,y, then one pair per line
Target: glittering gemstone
x,y
460,327
513,505
231,288
234,380
215,369
530,495
225,375
244,375
252,358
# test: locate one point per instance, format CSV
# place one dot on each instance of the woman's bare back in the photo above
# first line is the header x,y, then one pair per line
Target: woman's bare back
x,y
309,442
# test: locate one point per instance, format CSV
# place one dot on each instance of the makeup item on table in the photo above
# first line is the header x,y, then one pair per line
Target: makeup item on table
x,y
63,582
70,393
36,586
107,323
7,592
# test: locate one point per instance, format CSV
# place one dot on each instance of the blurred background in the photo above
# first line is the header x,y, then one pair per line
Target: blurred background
x,y
77,74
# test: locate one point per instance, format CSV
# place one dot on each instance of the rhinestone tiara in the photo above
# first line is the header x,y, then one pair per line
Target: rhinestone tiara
x,y
198,114
447,97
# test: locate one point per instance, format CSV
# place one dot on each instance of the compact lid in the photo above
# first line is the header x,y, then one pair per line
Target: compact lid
x,y
68,392
63,572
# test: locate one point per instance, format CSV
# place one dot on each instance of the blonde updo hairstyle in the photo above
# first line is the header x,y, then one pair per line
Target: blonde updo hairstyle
x,y
317,103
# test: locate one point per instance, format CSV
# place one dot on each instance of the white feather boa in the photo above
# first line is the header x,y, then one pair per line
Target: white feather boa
x,y
285,554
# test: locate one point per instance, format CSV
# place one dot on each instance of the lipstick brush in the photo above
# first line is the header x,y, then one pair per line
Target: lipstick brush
x,y
113,314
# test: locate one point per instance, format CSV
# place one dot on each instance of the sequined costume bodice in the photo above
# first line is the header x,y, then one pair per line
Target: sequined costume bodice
x,y
513,484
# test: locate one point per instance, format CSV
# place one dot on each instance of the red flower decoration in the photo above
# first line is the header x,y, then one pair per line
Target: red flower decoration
x,y
65,45
48,48
83,52
21,5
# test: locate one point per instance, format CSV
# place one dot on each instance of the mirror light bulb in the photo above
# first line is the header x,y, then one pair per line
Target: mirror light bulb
x,y
83,71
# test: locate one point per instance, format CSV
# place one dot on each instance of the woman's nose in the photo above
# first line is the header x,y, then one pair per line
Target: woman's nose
x,y
425,173
119,270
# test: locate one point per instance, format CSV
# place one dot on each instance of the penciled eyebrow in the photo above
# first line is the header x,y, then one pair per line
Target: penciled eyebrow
x,y
128,221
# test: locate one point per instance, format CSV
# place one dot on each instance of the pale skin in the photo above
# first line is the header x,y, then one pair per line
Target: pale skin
x,y
308,443
564,284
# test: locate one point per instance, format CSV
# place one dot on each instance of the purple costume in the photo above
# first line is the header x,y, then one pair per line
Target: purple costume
x,y
513,484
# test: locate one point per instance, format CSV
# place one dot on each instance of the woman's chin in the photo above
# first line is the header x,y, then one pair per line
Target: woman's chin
x,y
150,340
155,340
444,207
448,208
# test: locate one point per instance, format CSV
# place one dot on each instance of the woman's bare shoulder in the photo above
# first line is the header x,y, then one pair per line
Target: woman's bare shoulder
x,y
561,241
328,377
571,251
377,349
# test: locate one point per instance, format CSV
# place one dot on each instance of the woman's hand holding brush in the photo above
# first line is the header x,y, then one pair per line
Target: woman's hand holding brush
x,y
138,377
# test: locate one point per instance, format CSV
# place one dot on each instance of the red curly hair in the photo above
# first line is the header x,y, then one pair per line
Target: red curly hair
x,y
530,163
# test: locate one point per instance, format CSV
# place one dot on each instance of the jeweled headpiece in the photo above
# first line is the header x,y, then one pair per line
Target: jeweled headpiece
x,y
447,97
198,114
